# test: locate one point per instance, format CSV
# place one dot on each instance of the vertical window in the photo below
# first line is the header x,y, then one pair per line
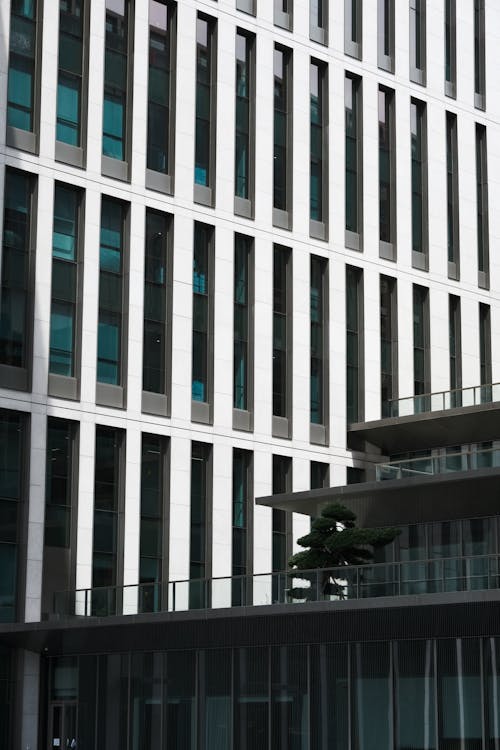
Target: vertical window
x,y
16,316
65,284
242,525
421,348
157,311
201,523
243,331
455,351
118,51
107,568
319,350
353,162
282,178
202,374
354,345
153,555
452,196
12,495
319,475
318,188
23,87
388,343
385,35
387,173
419,185
318,21
204,169
244,156
483,253
353,28
247,6
282,341
418,41
450,48
485,351
479,56
70,78
282,520
283,14
59,485
161,92
111,325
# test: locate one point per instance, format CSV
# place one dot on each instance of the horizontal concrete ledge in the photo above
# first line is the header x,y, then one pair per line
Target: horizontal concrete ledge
x,y
473,613
433,429
440,497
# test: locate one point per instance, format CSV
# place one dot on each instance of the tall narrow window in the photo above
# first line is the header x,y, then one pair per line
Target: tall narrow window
x,y
206,76
244,157
450,48
479,56
161,95
319,475
13,471
353,163
23,87
107,563
354,345
485,351
71,93
157,312
282,178
385,35
418,42
242,557
247,6
111,337
200,552
388,343
153,555
283,14
281,524
16,312
419,217
319,350
318,21
117,91
318,193
421,348
452,197
483,252
64,318
387,173
353,28
455,351
282,342
59,561
243,333
202,372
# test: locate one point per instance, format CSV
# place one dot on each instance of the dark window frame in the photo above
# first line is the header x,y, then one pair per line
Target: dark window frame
x,y
283,151
205,193
318,157
282,351
202,409
243,314
244,205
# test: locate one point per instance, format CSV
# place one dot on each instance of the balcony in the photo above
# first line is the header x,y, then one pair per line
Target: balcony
x,y
448,463
431,420
342,584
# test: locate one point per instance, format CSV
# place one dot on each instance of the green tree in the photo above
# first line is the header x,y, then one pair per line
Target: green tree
x,y
335,541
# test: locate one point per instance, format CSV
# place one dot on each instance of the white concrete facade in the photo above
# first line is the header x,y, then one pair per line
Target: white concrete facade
x,y
221,435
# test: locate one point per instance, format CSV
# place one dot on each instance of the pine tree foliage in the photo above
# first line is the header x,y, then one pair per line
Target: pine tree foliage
x,y
335,540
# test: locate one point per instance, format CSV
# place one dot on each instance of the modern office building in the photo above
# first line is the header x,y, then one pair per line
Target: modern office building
x,y
248,251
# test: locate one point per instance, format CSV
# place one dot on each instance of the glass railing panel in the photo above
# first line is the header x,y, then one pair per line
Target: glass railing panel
x,y
262,589
222,591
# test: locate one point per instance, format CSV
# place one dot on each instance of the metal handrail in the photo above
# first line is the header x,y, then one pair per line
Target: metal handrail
x,y
447,399
430,575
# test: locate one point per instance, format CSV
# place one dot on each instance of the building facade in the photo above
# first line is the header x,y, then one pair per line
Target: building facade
x,y
234,232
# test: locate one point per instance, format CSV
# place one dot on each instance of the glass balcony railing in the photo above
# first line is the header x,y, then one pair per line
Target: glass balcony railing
x,y
438,575
425,466
443,400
